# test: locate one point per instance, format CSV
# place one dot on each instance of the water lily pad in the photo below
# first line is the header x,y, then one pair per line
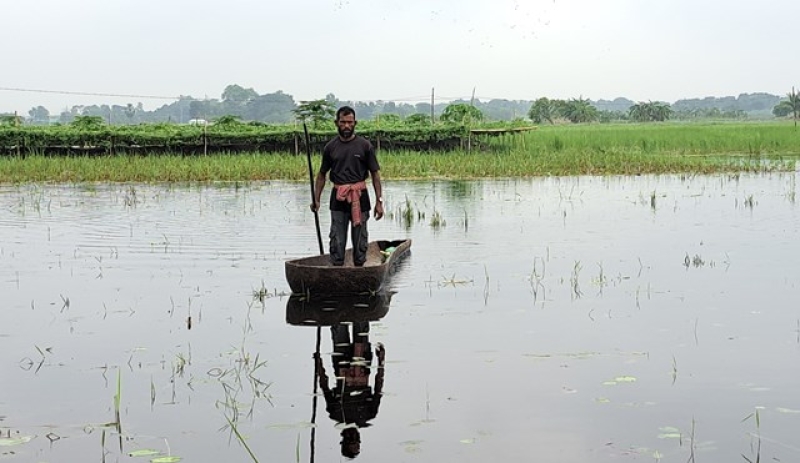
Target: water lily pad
x,y
12,441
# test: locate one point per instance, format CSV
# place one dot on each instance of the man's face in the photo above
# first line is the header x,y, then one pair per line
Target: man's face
x,y
346,125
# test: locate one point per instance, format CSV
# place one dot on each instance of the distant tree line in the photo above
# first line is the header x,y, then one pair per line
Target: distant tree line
x,y
277,108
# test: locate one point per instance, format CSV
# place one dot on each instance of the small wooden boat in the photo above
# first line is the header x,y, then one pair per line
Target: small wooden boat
x,y
314,276
333,310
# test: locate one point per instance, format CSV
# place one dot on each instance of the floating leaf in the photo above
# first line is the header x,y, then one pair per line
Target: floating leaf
x,y
166,460
412,446
11,441
301,425
787,410
625,379
411,442
144,453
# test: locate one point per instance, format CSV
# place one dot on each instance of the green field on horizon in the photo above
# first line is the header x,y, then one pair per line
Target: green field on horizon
x,y
591,149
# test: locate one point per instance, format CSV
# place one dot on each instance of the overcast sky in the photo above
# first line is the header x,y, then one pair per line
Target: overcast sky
x,y
395,49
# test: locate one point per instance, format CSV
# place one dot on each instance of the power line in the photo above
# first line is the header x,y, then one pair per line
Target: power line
x,y
408,99
67,92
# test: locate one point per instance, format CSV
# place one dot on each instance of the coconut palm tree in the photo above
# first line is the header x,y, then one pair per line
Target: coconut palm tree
x,y
791,105
650,112
542,110
794,102
579,110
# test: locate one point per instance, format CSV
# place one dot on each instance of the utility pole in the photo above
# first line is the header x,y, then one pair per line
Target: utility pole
x,y
433,102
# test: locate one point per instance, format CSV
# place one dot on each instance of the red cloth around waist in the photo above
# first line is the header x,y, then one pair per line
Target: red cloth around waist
x,y
351,192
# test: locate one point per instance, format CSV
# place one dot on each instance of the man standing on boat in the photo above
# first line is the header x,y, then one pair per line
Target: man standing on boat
x,y
349,158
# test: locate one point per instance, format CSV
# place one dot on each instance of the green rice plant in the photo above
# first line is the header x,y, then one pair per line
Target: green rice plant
x,y
574,280
601,281
692,446
241,439
755,446
117,402
407,214
152,393
674,370
696,261
536,278
437,221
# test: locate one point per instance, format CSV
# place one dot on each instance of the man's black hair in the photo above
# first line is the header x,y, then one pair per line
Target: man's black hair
x,y
344,111
350,436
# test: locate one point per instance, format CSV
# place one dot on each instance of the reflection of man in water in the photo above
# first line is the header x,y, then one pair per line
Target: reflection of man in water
x,y
352,402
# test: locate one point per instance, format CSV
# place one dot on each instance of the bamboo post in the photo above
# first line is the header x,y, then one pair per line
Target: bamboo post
x,y
16,124
469,122
205,138
296,140
378,133
433,102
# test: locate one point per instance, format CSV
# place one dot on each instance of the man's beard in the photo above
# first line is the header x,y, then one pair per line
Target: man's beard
x,y
345,133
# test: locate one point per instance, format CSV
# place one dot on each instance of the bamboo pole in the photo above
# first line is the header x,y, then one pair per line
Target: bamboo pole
x,y
433,103
378,134
16,124
469,122
205,138
296,140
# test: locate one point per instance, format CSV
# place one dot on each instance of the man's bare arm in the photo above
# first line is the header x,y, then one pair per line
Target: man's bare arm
x,y
319,184
376,184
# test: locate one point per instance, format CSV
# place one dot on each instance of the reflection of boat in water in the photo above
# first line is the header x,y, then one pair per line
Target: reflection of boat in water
x,y
316,276
328,311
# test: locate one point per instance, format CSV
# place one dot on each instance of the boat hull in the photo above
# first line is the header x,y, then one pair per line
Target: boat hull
x,y
329,311
317,276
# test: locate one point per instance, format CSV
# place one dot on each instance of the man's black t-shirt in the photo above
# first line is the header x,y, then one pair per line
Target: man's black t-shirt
x,y
349,162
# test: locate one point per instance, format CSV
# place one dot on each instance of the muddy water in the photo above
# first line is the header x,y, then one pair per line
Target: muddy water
x,y
571,320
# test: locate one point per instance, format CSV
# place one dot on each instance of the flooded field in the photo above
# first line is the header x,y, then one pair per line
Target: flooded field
x,y
564,319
